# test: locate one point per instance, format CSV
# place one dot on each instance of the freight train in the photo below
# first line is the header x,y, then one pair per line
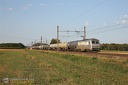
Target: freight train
x,y
79,45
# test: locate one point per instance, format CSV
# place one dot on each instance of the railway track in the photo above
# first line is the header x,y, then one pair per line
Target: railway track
x,y
99,54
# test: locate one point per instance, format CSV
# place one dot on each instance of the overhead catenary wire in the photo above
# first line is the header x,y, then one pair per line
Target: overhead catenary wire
x,y
89,10
107,28
113,28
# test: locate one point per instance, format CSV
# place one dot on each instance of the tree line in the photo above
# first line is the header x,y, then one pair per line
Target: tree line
x,y
53,41
114,46
12,46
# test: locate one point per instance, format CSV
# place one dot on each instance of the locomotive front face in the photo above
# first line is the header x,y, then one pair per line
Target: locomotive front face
x,y
95,45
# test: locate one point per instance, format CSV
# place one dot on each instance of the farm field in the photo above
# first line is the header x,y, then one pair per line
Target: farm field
x,y
115,52
56,68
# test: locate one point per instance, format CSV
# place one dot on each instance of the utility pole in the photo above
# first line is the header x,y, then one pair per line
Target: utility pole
x,y
46,40
57,38
41,42
35,41
84,32
31,43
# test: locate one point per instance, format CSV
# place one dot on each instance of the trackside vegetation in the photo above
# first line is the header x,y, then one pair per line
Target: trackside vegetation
x,y
114,46
12,46
54,68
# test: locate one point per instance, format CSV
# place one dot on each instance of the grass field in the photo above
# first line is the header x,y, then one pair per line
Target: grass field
x,y
113,51
51,68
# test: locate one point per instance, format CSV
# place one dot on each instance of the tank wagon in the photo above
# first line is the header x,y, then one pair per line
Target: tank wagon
x,y
36,47
53,46
62,46
45,47
41,47
79,45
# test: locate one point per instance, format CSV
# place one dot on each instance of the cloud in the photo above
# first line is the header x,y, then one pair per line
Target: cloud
x,y
10,9
71,4
116,22
123,20
124,17
6,9
86,23
27,6
42,4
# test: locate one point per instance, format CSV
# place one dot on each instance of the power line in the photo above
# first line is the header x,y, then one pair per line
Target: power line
x,y
108,30
89,10
103,29
78,32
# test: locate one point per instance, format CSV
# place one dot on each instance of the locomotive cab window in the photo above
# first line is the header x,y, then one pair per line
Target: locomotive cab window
x,y
97,42
93,42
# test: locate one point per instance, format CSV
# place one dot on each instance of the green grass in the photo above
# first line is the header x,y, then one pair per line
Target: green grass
x,y
51,68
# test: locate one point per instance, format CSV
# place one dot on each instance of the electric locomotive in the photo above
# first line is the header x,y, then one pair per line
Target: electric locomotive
x,y
84,45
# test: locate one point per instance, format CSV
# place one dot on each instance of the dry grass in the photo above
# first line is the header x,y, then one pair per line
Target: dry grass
x,y
115,52
51,68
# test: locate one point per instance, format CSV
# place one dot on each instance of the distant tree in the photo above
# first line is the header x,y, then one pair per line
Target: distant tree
x,y
12,45
53,41
114,46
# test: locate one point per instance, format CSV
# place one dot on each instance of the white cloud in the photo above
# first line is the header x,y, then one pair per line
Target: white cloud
x,y
123,20
71,4
42,4
124,17
116,22
6,9
10,9
86,23
27,6
104,23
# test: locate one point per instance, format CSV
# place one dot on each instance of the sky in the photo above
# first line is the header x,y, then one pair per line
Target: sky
x,y
25,21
